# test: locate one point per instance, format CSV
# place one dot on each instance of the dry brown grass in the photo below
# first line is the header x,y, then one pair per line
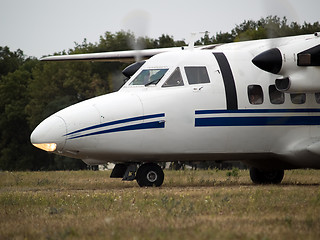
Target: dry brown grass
x,y
189,205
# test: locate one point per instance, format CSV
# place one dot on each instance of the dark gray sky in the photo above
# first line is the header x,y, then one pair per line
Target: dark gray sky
x,y
42,27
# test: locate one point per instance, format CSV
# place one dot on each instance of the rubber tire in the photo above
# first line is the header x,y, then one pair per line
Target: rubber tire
x,y
266,176
147,171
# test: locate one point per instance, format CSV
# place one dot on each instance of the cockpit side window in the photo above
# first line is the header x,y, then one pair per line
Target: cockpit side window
x,y
149,76
197,75
175,79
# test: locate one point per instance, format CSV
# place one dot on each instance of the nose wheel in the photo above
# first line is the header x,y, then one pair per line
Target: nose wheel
x,y
150,174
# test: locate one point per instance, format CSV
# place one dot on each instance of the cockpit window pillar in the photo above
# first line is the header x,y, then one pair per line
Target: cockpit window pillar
x,y
149,76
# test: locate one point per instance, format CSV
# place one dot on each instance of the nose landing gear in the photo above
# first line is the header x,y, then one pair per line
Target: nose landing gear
x,y
147,175
150,174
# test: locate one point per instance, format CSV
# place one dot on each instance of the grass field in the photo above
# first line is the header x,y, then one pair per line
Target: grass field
x,y
189,205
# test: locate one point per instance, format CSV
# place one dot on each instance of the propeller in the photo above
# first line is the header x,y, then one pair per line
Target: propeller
x,y
135,22
277,58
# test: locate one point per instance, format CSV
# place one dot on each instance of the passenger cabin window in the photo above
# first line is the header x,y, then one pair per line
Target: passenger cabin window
x,y
197,75
317,96
255,94
298,98
276,97
175,79
149,76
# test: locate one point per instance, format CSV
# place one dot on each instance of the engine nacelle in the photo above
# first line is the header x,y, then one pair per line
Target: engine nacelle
x,y
304,81
297,62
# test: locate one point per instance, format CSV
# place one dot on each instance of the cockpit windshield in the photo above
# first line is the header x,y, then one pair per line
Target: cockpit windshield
x,y
149,76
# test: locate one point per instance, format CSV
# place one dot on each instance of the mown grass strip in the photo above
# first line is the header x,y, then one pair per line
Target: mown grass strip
x,y
208,204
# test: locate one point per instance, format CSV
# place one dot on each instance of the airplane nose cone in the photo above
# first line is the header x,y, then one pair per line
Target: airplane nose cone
x,y
49,135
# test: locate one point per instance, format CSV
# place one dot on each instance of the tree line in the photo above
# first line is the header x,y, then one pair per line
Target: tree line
x,y
31,90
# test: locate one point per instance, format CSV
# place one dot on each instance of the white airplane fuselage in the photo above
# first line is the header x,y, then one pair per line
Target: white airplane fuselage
x,y
193,122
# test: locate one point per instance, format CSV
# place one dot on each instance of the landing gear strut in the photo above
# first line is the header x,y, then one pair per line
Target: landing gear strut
x,y
266,176
147,175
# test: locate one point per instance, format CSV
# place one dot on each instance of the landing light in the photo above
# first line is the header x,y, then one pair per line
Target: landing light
x,y
49,147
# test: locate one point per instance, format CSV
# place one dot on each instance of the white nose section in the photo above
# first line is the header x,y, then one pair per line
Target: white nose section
x,y
49,135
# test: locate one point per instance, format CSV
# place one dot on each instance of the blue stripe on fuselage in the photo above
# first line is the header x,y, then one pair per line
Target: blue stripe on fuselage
x,y
297,110
149,125
234,120
126,120
257,121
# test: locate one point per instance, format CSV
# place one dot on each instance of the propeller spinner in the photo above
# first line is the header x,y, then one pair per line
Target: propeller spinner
x,y
270,60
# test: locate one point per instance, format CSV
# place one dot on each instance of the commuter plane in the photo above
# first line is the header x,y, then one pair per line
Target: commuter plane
x,y
256,101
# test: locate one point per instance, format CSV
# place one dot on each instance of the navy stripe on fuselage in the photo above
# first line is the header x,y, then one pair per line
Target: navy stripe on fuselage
x,y
140,126
235,120
301,110
126,120
228,80
257,121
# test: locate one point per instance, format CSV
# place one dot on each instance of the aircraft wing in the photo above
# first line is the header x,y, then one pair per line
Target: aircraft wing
x,y
118,56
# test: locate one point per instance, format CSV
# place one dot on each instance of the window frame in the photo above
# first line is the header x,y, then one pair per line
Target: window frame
x,y
317,97
190,78
296,95
272,99
147,71
255,98
177,70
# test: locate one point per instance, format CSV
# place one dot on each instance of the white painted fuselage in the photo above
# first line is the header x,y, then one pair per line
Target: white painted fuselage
x,y
206,121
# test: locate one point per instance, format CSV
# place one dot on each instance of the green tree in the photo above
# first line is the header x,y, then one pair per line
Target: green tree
x,y
17,153
224,38
269,27
10,61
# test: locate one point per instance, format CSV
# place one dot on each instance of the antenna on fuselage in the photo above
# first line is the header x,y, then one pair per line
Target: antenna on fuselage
x,y
193,38
191,42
